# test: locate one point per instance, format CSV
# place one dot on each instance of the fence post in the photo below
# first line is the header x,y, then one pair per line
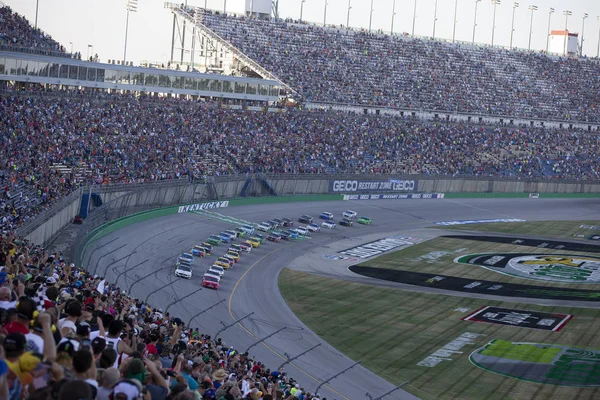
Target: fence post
x,y
225,327
265,338
335,376
289,360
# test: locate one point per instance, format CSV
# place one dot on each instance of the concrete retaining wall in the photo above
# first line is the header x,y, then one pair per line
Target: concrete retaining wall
x,y
48,230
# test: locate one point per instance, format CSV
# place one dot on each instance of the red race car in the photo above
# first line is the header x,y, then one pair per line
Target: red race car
x,y
210,282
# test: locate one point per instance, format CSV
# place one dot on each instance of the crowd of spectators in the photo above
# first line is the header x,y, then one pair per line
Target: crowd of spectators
x,y
68,335
17,34
52,146
337,65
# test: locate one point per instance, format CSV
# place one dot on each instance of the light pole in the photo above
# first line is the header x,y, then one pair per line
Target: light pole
x,y
512,27
434,17
88,52
325,14
475,20
348,17
394,15
549,19
371,16
131,7
566,13
71,43
414,17
224,6
301,8
585,15
37,6
454,28
598,50
495,3
532,9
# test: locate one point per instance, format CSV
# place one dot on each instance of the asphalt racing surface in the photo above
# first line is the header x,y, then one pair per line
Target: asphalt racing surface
x,y
140,259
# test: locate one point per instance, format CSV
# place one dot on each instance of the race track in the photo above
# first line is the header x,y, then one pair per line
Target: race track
x,y
140,259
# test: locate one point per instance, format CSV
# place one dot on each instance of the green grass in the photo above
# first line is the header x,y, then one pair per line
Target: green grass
x,y
392,330
436,256
548,229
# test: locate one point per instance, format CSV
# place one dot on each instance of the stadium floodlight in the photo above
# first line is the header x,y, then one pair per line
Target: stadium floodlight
x,y
585,15
549,19
454,28
302,8
475,20
434,17
512,27
348,17
532,8
495,3
394,15
566,13
414,17
131,7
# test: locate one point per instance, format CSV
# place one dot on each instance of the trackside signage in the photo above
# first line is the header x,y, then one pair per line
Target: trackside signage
x,y
377,247
203,206
393,196
372,186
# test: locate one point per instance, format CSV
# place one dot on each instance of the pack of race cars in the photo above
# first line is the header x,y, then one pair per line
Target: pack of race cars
x,y
274,230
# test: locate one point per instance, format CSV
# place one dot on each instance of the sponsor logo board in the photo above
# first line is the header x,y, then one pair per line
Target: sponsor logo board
x,y
546,267
202,206
393,196
546,244
346,186
378,247
540,362
478,221
520,318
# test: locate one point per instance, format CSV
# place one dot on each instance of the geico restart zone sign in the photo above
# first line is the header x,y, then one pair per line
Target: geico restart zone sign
x,y
372,186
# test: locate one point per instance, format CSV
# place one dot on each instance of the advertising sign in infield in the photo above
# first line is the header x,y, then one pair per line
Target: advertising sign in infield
x,y
519,318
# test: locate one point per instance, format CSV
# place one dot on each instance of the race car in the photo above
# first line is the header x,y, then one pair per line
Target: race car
x,y
240,247
210,282
263,226
364,221
253,242
213,274
326,216
183,271
293,234
284,235
278,223
187,257
248,228
227,259
214,240
346,222
233,254
305,219
328,224
225,264
274,238
261,238
287,222
349,214
313,227
240,232
231,233
301,230
225,238
207,248
198,251
217,269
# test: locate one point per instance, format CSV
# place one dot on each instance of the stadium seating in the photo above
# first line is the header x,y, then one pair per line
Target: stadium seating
x,y
357,67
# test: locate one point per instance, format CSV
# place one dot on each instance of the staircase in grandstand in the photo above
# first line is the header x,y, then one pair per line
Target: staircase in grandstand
x,y
193,16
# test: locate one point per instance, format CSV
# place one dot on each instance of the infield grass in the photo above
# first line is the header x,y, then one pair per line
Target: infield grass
x,y
548,229
392,330
436,256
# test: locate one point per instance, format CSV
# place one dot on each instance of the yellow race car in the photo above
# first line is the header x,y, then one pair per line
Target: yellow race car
x,y
222,264
253,242
233,254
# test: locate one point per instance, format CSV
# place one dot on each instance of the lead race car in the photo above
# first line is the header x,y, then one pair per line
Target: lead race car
x,y
327,216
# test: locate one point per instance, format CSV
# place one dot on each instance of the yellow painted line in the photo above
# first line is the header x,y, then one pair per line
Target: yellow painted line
x,y
256,337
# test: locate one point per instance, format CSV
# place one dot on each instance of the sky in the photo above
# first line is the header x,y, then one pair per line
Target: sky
x,y
101,23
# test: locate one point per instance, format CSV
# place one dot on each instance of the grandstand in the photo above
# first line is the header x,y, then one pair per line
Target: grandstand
x,y
57,138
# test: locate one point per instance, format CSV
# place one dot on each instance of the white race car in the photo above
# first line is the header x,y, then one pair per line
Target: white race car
x,y
301,230
328,224
213,274
217,269
263,227
183,271
349,214
313,227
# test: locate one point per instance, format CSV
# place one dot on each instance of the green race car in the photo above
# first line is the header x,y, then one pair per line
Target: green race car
x,y
364,221
214,240
240,232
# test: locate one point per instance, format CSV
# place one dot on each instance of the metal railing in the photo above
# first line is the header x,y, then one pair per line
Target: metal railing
x,y
33,50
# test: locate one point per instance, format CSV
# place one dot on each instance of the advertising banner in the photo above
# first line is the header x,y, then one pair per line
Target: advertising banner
x,y
393,196
351,186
